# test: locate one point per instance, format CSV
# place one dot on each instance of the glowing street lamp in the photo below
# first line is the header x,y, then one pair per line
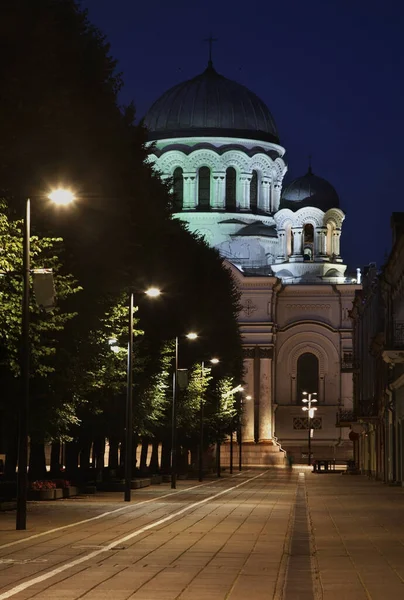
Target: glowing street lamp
x,y
151,292
213,361
309,399
22,480
191,336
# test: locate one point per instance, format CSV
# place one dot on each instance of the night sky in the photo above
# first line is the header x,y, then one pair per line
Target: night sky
x,y
331,72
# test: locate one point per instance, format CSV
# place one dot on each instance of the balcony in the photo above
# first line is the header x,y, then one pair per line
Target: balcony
x,y
345,418
394,352
368,411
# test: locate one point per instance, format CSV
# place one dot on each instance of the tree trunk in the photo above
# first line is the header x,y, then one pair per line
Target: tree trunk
x,y
154,459
99,452
113,452
85,452
143,456
37,462
166,457
55,464
11,456
72,459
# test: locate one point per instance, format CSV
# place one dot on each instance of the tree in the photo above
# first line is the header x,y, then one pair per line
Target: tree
x,y
45,328
65,124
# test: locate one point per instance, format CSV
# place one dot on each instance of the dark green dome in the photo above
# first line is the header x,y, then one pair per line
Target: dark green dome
x,y
309,190
210,105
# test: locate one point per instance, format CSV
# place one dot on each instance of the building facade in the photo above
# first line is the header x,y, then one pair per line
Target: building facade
x,y
377,422
218,144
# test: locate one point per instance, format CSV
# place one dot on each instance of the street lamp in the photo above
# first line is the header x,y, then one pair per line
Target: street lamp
x,y
309,399
151,292
240,434
213,361
191,336
22,481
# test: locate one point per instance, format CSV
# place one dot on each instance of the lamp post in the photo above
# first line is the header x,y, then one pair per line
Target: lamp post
x,y
214,361
152,292
240,460
309,399
190,336
61,197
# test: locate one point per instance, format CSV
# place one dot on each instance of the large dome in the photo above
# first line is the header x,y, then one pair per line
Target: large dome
x,y
309,190
210,105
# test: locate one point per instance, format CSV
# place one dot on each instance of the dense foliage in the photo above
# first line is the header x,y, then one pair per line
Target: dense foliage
x,y
65,125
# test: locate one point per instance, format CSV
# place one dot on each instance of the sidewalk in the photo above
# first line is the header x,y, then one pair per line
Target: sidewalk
x,y
358,537
280,534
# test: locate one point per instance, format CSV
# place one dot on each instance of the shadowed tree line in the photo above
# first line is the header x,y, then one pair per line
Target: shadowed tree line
x,y
62,124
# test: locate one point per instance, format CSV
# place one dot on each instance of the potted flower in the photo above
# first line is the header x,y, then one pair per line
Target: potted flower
x,y
42,490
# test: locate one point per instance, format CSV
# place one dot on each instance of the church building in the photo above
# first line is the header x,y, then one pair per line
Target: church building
x,y
219,144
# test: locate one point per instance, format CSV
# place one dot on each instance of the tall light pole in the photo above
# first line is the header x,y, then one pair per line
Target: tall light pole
x,y
61,197
309,399
152,292
214,361
240,434
190,336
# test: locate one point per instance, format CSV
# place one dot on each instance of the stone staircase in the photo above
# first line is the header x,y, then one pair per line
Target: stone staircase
x,y
262,454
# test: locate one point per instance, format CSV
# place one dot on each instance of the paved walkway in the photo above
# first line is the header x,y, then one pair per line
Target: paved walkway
x,y
274,534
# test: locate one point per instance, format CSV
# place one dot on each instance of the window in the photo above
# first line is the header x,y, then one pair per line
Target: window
x,y
308,239
307,375
231,184
254,191
178,189
204,187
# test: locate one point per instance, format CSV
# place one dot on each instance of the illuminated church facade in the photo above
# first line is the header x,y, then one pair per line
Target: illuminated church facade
x,y
219,144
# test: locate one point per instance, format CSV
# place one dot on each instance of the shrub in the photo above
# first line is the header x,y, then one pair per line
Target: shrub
x,y
43,485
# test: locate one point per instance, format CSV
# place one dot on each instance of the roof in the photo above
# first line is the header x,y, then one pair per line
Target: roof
x,y
210,105
309,190
258,229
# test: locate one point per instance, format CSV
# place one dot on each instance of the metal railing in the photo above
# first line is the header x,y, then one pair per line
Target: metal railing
x,y
398,334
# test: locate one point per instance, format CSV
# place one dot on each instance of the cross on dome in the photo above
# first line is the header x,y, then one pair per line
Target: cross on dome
x,y
210,41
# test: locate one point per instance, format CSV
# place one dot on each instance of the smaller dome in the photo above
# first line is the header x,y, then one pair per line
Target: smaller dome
x,y
258,229
309,190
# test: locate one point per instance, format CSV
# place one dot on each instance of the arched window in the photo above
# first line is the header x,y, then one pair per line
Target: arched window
x,y
178,189
289,240
307,375
204,187
308,242
254,191
231,185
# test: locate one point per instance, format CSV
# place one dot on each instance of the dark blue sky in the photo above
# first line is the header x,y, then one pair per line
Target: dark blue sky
x,y
330,71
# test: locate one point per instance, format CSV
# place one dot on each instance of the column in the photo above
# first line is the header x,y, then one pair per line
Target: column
x,y
248,405
190,200
276,195
320,247
282,254
264,193
243,202
265,412
297,233
336,239
218,191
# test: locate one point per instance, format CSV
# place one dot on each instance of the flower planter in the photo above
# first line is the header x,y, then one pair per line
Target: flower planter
x,y
41,494
58,493
71,490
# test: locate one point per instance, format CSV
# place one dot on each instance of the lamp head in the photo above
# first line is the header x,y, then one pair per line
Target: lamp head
x,y
304,393
153,292
248,397
61,196
214,361
192,335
